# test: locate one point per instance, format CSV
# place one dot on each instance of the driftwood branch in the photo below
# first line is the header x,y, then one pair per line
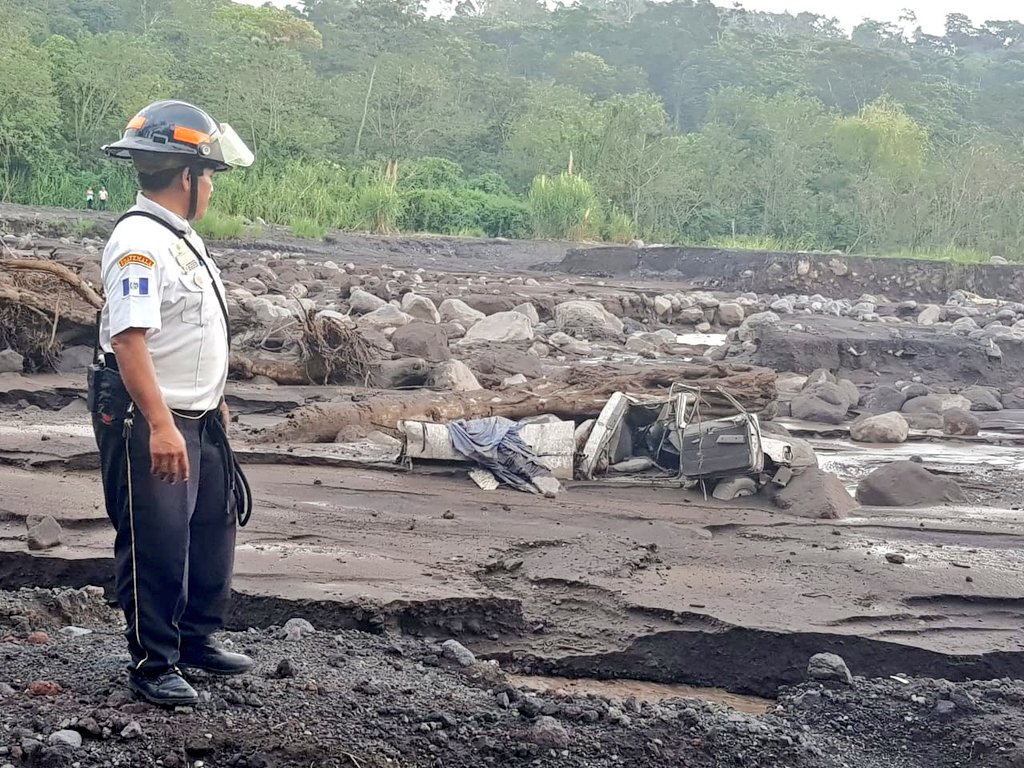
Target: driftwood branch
x,y
58,270
46,305
754,388
281,371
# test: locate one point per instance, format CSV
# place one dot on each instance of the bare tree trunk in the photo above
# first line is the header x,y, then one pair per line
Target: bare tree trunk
x,y
366,109
58,270
581,398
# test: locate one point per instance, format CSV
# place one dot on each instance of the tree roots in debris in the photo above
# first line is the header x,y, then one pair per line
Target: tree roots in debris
x,y
331,351
581,399
44,305
61,272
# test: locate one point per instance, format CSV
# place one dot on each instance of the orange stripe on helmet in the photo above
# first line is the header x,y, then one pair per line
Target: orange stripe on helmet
x,y
136,122
190,136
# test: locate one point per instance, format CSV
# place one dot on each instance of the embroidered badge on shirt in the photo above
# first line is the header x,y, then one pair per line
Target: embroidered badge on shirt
x,y
135,286
136,258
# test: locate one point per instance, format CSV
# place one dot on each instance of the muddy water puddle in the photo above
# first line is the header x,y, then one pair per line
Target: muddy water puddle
x,y
851,461
642,691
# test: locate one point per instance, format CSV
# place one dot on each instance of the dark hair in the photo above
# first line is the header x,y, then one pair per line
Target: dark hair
x,y
158,181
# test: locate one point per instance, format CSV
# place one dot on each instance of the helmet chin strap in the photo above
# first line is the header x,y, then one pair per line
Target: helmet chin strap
x,y
195,170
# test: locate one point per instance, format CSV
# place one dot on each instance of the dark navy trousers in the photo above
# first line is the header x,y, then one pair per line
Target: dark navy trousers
x,y
175,544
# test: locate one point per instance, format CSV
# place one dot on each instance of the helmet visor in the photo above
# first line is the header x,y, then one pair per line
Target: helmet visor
x,y
233,149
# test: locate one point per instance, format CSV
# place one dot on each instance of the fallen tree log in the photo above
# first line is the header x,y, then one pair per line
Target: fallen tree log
x,y
61,272
46,306
754,388
281,371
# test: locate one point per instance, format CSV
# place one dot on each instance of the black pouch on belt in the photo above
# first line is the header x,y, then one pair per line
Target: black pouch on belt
x,y
108,397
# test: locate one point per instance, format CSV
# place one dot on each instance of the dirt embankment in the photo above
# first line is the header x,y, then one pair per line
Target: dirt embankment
x,y
835,275
449,253
325,700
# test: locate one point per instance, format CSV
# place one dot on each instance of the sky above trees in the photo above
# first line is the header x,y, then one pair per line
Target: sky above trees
x,y
931,14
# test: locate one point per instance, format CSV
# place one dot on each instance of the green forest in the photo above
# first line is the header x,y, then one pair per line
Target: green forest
x,y
675,122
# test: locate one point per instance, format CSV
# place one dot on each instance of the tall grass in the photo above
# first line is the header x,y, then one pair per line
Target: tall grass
x,y
57,182
451,212
308,228
950,253
377,208
216,225
763,243
618,228
315,191
564,207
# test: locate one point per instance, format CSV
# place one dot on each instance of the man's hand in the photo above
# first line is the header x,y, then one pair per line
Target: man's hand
x,y
168,454
225,415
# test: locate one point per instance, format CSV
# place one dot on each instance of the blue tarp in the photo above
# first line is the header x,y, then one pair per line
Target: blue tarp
x,y
494,443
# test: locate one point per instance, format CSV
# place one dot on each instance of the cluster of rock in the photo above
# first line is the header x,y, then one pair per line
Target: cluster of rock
x,y
887,413
891,411
821,397
429,329
964,314
701,310
426,335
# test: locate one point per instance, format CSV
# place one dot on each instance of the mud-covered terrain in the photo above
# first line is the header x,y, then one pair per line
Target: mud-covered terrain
x,y
896,545
351,698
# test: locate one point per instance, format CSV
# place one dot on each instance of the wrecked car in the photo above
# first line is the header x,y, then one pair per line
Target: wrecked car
x,y
662,438
669,434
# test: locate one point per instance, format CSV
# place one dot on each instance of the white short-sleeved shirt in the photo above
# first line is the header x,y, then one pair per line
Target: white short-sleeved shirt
x,y
153,281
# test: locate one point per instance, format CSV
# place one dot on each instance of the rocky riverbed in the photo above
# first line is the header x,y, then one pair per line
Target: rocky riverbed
x,y
896,546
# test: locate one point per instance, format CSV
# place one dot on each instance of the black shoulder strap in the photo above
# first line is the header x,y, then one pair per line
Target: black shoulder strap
x,y
152,217
203,259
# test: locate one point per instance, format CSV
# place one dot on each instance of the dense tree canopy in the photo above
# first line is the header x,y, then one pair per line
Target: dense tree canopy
x,y
676,121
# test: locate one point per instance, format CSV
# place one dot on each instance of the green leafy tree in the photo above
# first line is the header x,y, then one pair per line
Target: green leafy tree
x,y
557,126
29,111
687,120
632,151
884,151
102,80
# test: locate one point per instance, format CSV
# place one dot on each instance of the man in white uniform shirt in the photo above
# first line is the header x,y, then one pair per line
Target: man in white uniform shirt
x,y
159,416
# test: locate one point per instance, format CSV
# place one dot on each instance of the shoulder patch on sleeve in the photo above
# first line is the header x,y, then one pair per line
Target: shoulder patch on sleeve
x,y
135,286
136,258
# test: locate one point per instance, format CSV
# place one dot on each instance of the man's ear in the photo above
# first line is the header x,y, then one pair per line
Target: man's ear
x,y
185,179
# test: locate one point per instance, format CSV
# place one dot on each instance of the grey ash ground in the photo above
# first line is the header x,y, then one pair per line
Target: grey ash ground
x,y
612,580
358,699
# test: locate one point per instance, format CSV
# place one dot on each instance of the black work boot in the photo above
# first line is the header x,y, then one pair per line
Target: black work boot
x,y
166,689
207,657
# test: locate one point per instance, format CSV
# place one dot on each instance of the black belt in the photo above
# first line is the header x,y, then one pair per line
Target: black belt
x,y
236,482
191,414
234,478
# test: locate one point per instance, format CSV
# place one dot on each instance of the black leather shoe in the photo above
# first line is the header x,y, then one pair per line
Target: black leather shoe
x,y
168,689
208,658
